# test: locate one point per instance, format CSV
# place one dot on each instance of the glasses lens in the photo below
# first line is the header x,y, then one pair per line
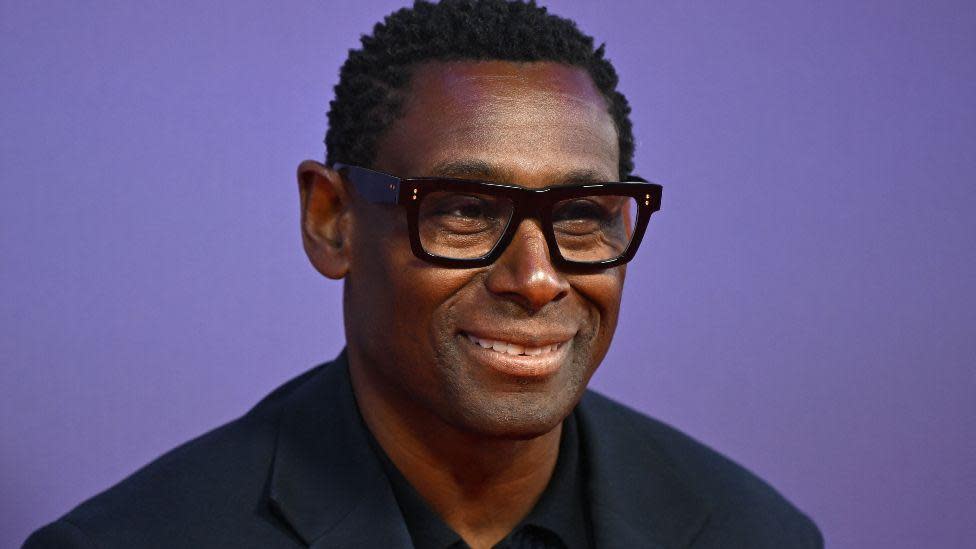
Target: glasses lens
x,y
594,228
462,225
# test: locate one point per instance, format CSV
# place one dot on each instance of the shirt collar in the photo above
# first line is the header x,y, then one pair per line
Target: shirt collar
x,y
561,509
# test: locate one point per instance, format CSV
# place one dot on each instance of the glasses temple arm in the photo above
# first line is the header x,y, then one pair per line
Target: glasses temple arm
x,y
376,187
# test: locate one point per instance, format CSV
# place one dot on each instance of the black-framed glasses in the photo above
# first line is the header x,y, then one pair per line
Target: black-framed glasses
x,y
465,223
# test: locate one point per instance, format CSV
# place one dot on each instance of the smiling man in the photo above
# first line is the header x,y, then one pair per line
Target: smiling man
x,y
478,202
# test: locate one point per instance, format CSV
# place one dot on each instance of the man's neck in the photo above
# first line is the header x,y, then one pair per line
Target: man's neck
x,y
481,486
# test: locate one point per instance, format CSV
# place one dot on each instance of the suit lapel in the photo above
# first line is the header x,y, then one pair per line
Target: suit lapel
x,y
638,495
326,481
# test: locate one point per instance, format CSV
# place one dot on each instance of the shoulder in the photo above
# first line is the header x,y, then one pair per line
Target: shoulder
x,y
742,506
194,495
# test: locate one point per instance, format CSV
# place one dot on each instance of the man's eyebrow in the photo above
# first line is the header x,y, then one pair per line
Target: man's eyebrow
x,y
471,169
479,169
584,176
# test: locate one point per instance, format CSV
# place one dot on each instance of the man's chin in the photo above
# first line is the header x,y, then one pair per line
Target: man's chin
x,y
515,417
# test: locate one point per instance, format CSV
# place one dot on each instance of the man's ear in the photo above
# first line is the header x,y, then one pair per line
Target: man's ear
x,y
325,205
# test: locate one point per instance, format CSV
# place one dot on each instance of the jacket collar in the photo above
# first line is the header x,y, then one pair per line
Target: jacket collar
x,y
639,497
326,481
328,484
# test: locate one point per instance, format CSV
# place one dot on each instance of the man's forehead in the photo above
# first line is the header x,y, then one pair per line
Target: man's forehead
x,y
485,87
465,117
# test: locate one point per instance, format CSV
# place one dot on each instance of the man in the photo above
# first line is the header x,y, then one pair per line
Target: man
x,y
478,202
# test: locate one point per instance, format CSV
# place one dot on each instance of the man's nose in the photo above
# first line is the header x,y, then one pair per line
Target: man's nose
x,y
524,273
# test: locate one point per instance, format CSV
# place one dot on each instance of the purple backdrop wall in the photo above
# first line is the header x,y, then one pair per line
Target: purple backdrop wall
x,y
804,302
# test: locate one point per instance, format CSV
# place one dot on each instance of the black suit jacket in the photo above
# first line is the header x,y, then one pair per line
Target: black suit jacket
x,y
298,470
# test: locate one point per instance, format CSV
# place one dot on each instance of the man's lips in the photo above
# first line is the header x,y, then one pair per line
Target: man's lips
x,y
514,343
523,357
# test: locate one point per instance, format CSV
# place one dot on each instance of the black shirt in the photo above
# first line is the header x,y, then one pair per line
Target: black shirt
x,y
559,520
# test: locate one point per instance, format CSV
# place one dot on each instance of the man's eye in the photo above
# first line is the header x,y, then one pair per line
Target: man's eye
x,y
579,217
458,213
471,208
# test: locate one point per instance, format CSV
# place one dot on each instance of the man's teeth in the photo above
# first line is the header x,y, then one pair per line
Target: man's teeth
x,y
511,348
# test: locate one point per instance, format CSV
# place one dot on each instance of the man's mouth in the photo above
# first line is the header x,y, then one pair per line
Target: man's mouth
x,y
513,349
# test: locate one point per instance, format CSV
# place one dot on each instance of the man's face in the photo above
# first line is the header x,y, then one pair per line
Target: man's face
x,y
413,327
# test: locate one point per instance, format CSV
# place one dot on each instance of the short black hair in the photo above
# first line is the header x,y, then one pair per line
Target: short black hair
x,y
372,82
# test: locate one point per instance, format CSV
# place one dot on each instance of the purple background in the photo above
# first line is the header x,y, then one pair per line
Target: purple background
x,y
804,302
